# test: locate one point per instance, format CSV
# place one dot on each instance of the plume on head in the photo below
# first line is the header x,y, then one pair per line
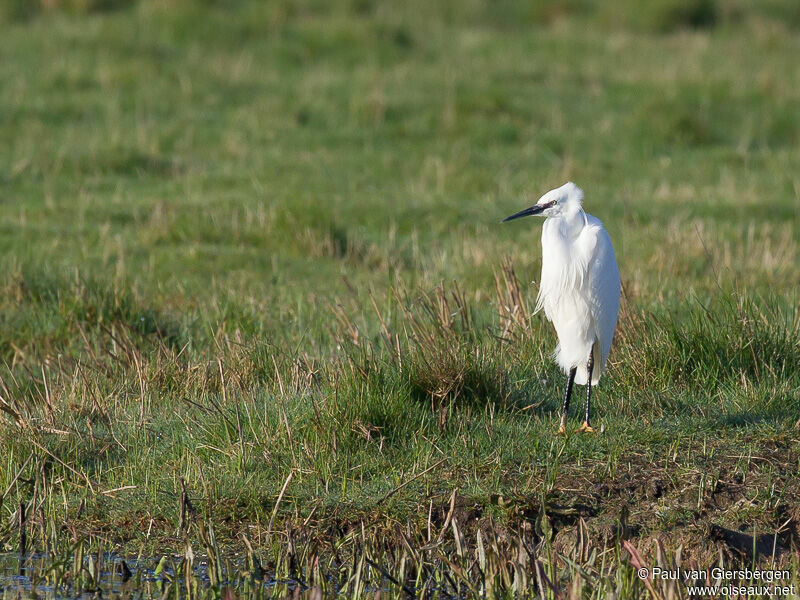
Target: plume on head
x,y
569,192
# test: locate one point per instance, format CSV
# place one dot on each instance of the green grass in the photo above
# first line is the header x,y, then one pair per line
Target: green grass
x,y
241,240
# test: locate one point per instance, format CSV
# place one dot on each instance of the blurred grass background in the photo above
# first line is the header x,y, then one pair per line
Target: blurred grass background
x,y
199,199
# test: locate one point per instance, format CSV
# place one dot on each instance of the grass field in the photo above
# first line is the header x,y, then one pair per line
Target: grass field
x,y
256,246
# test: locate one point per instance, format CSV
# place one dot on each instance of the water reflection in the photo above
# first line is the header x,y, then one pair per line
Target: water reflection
x,y
43,577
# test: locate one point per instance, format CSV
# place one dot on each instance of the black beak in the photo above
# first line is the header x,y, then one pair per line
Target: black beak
x,y
533,210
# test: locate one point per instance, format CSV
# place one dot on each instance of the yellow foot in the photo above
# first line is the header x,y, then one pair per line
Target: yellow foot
x,y
561,430
585,428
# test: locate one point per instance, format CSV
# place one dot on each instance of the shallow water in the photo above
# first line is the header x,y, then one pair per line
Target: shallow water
x,y
33,578
37,577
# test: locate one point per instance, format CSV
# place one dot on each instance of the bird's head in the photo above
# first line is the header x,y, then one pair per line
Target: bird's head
x,y
557,202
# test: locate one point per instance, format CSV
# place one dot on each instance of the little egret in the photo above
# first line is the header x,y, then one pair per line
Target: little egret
x,y
579,288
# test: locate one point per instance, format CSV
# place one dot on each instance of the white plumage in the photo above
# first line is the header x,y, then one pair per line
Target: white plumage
x,y
580,284
579,288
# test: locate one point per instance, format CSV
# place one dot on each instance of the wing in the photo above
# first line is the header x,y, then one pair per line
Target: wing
x,y
603,289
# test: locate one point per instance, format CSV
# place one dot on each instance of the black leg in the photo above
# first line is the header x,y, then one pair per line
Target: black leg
x,y
589,367
567,394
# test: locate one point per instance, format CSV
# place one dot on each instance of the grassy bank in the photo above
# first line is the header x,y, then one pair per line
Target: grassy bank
x,y
255,246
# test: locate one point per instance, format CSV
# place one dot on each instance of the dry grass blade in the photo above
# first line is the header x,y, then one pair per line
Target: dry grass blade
x,y
391,341
638,563
511,304
10,411
15,479
544,581
346,328
65,465
278,502
411,480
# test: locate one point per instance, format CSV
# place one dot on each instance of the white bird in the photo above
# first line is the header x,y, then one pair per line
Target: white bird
x,y
579,288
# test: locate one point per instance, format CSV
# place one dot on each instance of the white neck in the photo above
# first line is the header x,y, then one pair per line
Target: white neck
x,y
571,219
